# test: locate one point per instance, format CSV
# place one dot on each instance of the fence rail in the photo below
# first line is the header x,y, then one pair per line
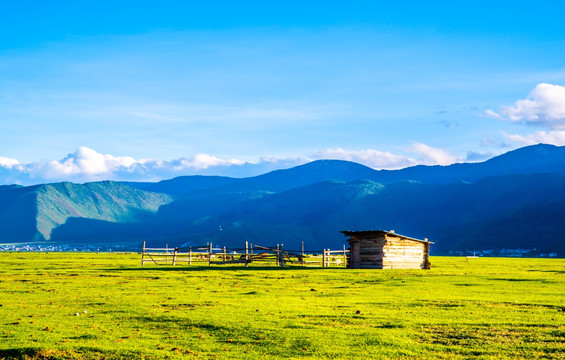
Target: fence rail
x,y
249,255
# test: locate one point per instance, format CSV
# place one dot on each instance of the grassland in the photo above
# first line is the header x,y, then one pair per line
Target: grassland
x,y
486,308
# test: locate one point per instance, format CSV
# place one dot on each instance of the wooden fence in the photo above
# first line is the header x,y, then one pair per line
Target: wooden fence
x,y
256,255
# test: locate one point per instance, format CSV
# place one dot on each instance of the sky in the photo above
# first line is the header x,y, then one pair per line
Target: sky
x,y
145,91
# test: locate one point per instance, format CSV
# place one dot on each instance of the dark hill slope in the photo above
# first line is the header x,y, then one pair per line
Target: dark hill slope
x,y
313,172
308,204
183,184
537,225
442,213
18,212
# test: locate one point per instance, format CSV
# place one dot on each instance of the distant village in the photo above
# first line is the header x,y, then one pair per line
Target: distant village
x,y
503,253
65,248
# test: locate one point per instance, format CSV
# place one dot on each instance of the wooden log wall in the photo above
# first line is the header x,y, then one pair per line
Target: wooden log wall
x,y
388,252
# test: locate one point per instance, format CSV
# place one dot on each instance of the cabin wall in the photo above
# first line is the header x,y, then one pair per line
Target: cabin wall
x,y
371,252
387,252
404,254
366,253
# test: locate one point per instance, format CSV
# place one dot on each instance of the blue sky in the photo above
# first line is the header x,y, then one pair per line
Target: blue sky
x,y
145,91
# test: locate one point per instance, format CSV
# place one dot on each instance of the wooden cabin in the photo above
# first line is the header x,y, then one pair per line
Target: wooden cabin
x,y
380,249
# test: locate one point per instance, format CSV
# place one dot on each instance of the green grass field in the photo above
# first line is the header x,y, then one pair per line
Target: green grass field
x,y
489,308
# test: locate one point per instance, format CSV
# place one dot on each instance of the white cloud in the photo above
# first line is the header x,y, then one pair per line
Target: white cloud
x,y
544,106
86,164
550,137
372,158
89,162
8,163
204,161
493,114
83,165
431,155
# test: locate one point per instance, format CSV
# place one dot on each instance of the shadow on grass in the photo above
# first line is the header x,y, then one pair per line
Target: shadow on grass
x,y
247,335
85,353
19,353
164,321
543,281
218,268
548,271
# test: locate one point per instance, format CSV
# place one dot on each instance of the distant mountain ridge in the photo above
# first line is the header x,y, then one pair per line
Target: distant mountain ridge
x,y
515,200
532,159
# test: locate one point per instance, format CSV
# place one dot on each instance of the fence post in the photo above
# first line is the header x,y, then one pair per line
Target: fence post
x,y
246,253
190,256
303,254
278,254
175,255
251,248
224,255
143,255
210,254
344,257
282,255
324,258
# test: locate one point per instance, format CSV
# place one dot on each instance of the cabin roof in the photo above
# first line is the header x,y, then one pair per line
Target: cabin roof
x,y
380,232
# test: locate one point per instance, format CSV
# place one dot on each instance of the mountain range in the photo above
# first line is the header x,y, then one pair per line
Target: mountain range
x,y
512,201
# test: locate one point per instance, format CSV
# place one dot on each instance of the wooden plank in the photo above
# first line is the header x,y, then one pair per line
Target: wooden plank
x,y
403,255
210,254
398,247
404,262
354,260
336,251
419,261
405,242
392,256
396,261
400,267
403,250
365,259
372,253
366,266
